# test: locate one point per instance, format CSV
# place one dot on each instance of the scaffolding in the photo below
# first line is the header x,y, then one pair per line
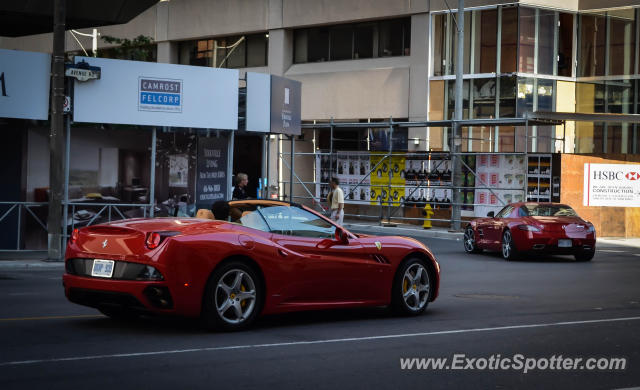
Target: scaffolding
x,y
436,175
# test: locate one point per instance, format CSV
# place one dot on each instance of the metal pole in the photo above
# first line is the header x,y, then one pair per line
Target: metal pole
x,y
152,185
456,171
232,138
293,149
389,195
67,157
267,156
56,135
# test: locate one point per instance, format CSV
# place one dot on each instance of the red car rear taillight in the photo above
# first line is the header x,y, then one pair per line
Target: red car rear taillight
x,y
153,240
74,236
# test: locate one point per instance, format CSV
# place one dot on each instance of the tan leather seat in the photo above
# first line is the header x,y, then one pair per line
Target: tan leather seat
x,y
205,214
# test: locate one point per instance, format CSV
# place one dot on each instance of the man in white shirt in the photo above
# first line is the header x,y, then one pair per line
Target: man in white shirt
x,y
336,201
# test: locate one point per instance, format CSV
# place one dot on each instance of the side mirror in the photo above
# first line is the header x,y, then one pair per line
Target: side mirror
x,y
341,236
491,214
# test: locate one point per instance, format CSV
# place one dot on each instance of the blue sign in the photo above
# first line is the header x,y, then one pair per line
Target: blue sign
x,y
159,94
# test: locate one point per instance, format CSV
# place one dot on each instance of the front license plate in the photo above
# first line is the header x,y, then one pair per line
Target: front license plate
x,y
565,243
102,268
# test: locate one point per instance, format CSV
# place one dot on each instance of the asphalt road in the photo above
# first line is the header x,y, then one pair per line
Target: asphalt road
x,y
537,308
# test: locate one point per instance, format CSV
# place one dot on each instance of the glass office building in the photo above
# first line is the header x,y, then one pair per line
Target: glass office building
x,y
519,58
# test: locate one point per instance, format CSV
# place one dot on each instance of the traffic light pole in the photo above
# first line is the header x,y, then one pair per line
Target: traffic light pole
x,y
456,137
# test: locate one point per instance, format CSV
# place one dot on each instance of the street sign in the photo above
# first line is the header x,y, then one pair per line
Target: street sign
x,y
613,185
82,71
66,108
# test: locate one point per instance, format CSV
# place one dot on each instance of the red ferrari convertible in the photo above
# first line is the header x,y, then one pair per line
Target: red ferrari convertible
x,y
518,228
276,257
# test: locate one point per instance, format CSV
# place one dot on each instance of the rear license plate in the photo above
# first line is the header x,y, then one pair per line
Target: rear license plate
x,y
565,243
102,268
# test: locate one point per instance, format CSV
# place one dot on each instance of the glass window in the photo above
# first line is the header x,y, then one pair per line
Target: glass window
x,y
545,95
439,46
565,44
620,97
235,56
509,38
467,44
300,46
341,43
525,96
290,220
506,139
546,36
318,44
254,220
484,98
622,41
590,97
507,103
394,38
592,45
451,101
257,50
363,41
537,210
527,20
504,213
486,35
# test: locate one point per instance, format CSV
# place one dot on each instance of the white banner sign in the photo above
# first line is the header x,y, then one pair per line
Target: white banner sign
x,y
24,84
152,94
615,185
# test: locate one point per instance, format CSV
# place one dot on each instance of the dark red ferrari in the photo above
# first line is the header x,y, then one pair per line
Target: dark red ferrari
x,y
526,228
276,257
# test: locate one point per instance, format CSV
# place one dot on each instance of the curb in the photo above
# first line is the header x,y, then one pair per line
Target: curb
x,y
401,231
17,265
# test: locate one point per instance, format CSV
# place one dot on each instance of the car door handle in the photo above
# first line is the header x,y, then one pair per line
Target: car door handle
x,y
282,253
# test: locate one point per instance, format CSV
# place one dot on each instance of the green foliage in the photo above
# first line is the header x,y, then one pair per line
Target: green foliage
x,y
140,48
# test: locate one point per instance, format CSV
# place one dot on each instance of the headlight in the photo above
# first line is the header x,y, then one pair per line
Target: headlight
x,y
529,228
149,273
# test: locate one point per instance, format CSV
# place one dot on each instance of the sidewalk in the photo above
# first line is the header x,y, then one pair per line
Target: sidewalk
x,y
35,265
402,229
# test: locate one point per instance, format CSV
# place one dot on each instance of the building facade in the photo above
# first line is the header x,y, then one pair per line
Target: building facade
x,y
372,60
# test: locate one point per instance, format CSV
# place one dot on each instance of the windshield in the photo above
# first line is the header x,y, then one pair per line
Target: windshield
x,y
549,211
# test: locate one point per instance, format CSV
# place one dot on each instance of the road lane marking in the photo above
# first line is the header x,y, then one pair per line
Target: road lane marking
x,y
50,317
312,342
611,251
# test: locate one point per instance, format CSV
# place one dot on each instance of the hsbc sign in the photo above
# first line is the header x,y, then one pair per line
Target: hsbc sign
x,y
614,185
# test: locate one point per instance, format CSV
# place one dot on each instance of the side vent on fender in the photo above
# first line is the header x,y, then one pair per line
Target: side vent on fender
x,y
380,259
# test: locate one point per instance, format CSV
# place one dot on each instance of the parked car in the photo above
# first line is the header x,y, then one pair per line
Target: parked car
x,y
543,228
277,257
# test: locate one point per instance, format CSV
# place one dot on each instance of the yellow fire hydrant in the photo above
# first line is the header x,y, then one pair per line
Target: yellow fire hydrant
x,y
427,212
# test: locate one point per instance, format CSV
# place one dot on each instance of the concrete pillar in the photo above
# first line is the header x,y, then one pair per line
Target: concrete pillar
x,y
419,74
168,52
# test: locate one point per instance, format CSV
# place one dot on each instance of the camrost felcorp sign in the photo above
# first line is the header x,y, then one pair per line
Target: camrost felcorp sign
x,y
615,185
160,95
152,94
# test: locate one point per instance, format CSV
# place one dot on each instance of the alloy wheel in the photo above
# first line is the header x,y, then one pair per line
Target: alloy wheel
x,y
415,287
235,296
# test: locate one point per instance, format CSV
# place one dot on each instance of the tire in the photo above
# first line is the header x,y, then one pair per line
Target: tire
x,y
509,250
584,255
469,241
410,295
118,314
233,297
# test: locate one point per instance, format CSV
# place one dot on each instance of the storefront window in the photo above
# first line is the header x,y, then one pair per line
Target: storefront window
x,y
509,38
620,97
484,98
507,102
546,36
485,36
591,55
622,41
527,20
565,44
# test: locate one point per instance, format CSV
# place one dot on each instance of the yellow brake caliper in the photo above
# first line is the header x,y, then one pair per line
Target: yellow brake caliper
x,y
244,302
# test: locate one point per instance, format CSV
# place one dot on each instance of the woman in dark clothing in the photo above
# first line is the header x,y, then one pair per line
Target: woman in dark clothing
x,y
240,192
